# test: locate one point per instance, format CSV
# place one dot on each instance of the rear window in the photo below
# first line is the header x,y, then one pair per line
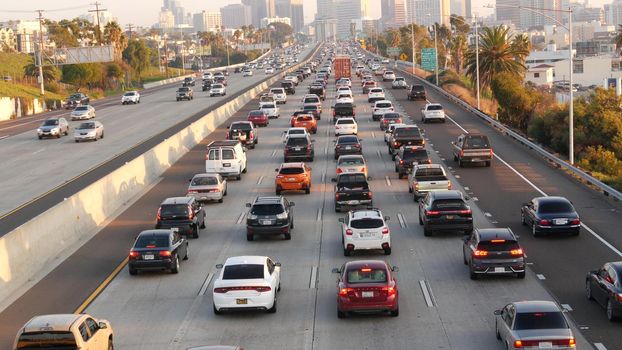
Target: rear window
x,y
227,154
173,210
151,241
449,204
384,105
268,105
310,108
418,88
291,171
82,108
204,181
540,320
347,139
366,223
267,209
419,153
492,246
312,100
366,275
345,121
555,207
304,118
375,90
240,126
425,172
277,91
352,178
243,272
90,125
407,131
476,142
256,113
46,340
50,122
296,131
387,116
351,161
297,141
435,108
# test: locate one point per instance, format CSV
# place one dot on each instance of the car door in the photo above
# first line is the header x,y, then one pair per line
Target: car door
x,y
531,212
212,164
469,246
603,285
97,337
275,273
85,337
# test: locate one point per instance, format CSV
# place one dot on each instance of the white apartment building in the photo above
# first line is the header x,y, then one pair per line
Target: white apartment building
x,y
541,75
205,21
589,70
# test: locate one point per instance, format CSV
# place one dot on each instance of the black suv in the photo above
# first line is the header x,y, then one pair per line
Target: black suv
x,y
270,215
184,213
299,147
416,92
493,251
76,99
189,81
445,211
157,250
319,90
289,87
344,109
207,84
407,157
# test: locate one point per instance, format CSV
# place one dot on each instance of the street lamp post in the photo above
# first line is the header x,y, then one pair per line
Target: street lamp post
x,y
435,50
477,62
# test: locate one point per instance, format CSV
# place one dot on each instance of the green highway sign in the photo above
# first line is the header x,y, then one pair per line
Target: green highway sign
x,y
393,51
428,59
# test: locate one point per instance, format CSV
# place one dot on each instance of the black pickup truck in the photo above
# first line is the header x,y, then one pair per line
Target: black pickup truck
x,y
352,190
408,135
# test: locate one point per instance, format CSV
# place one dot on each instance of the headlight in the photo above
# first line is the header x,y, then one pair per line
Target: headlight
x,y
252,217
281,216
39,130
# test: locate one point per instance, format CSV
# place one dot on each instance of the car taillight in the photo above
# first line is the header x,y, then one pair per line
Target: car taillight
x,y
480,253
390,290
575,222
363,169
431,212
165,253
336,196
491,152
449,185
227,135
221,290
518,344
369,194
280,176
544,222
466,212
417,187
385,231
461,153
517,252
345,291
158,217
619,296
263,289
334,114
349,232
339,171
395,143
353,113
190,213
401,161
133,254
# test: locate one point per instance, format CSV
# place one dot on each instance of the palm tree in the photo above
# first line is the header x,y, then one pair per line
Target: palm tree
x,y
50,73
496,55
113,34
619,37
521,45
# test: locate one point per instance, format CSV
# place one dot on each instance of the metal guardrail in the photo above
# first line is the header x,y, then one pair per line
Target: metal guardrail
x,y
606,189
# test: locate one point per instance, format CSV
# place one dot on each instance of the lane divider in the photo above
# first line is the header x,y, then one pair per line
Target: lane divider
x,y
206,284
100,288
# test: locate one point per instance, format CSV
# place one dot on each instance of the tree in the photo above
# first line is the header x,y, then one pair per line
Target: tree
x,y
280,33
521,46
137,55
113,34
50,73
517,103
458,48
619,38
496,55
85,74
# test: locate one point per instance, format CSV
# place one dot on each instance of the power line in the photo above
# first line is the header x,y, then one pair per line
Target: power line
x,y
99,29
54,10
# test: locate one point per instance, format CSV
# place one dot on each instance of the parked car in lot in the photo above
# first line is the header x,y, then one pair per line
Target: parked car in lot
x,y
130,97
298,147
184,93
426,178
53,127
270,216
493,251
184,213
293,177
157,250
92,130
533,324
365,229
605,287
207,187
366,286
258,118
445,211
550,215
83,112
65,331
347,144
247,283
351,163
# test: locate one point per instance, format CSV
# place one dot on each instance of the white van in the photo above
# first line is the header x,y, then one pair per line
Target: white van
x,y
226,157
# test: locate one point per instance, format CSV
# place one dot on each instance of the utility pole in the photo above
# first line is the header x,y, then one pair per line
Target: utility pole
x,y
477,61
183,59
99,29
40,54
129,29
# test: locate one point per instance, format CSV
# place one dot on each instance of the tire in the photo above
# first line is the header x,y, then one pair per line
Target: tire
x,y
133,272
346,252
41,137
460,163
203,221
77,141
588,290
337,209
341,314
387,251
307,190
239,177
420,220
464,260
395,313
427,232
220,200
522,218
249,237
455,158
472,273
175,267
395,168
534,232
216,311
287,236
110,344
195,231
520,275
187,256
102,135
291,226
488,162
400,176
497,331
272,310
410,189
612,315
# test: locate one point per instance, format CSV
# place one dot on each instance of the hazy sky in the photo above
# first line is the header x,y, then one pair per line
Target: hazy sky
x,y
145,12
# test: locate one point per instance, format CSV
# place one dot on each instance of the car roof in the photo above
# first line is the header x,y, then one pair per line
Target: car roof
x,y
383,101
365,213
155,232
351,156
446,194
58,322
246,259
617,265
177,200
553,199
487,234
357,264
292,165
298,136
536,306
268,200
205,175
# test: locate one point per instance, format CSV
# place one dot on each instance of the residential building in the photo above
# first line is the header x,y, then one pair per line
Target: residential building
x,y
7,39
613,12
549,56
594,48
205,21
267,21
345,12
235,15
541,75
589,70
588,14
26,43
428,12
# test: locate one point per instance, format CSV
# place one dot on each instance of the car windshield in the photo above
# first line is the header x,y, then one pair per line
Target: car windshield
x,y
276,91
267,209
449,204
476,142
418,88
84,126
291,171
555,207
351,161
415,154
46,340
366,223
366,275
297,141
384,105
407,131
184,89
347,139
151,241
243,272
345,121
435,108
81,108
204,181
217,86
50,122
173,210
76,96
540,320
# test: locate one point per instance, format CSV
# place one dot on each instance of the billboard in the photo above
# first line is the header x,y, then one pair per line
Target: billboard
x,y
77,55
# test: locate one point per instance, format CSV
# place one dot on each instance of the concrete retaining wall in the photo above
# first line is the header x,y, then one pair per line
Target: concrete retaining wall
x,y
15,107
35,248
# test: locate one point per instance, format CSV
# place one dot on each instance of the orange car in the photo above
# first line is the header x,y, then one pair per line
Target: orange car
x,y
306,121
293,177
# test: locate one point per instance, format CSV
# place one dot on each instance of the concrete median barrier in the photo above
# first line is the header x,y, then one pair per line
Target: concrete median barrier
x,y
35,248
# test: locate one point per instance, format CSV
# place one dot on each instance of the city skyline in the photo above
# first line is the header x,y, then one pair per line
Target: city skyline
x,y
148,10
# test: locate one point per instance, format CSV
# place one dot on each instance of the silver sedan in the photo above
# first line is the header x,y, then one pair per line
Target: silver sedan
x,y
83,112
86,131
207,187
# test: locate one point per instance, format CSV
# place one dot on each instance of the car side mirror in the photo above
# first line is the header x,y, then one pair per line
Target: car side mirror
x,y
248,205
227,127
525,204
333,179
189,180
497,312
467,198
277,264
369,178
336,270
277,170
395,269
387,218
102,325
219,266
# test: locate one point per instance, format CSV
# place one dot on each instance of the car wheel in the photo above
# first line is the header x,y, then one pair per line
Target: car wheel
x,y
102,135
40,137
497,334
277,192
287,235
239,177
216,311
472,273
346,252
488,162
273,308
187,255
460,163
307,190
420,220
427,232
195,232
110,344
133,272
464,260
395,313
203,221
522,218
291,225
225,193
611,313
341,314
387,251
337,209
220,200
175,267
455,158
249,237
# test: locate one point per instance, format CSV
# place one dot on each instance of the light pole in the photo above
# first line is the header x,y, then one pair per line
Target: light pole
x,y
537,10
477,62
435,50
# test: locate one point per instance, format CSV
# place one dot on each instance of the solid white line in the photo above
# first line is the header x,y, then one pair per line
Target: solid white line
x,y
240,218
426,293
540,276
566,307
4,137
387,180
466,188
319,214
378,153
313,280
487,214
260,179
401,219
273,154
39,151
373,134
20,124
599,346
208,280
323,177
458,125
457,176
326,149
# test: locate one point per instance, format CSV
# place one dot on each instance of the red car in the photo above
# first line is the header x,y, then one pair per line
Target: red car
x,y
367,286
258,117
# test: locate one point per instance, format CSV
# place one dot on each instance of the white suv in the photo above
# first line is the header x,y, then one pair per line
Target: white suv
x,y
365,230
271,110
130,97
381,107
247,282
388,75
279,95
375,94
346,126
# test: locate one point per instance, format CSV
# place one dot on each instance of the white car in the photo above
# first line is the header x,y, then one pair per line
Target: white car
x,y
381,107
365,230
344,97
344,88
269,70
385,60
344,81
279,95
346,126
266,99
351,163
217,90
388,75
247,282
432,111
399,83
87,131
271,110
375,94
293,79
83,112
247,73
130,97
294,131
208,75
207,187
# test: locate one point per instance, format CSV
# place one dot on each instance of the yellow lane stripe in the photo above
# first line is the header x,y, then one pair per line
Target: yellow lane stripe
x,y
101,287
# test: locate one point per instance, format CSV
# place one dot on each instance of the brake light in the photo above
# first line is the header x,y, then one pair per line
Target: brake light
x,y
390,290
190,213
165,253
344,291
339,171
479,253
263,289
133,254
385,231
461,153
467,211
491,153
353,113
334,114
369,194
365,269
619,296
498,241
517,252
449,185
575,222
518,344
336,196
158,217
349,232
221,290
280,176
545,222
432,212
417,186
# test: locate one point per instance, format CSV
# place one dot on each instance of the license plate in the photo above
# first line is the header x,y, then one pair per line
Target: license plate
x,y
368,294
560,221
297,149
545,345
475,159
266,222
353,202
351,170
499,269
348,148
241,301
449,217
366,234
226,164
148,257
291,179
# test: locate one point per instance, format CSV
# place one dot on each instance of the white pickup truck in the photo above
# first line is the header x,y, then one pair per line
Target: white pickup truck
x,y
431,112
426,178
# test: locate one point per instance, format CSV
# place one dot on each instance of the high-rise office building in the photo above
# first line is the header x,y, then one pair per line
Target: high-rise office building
x,y
366,8
205,21
292,9
235,15
613,13
428,12
511,13
259,10
345,12
325,9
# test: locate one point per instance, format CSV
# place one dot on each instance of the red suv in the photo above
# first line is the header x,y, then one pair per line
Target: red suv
x,y
367,286
258,117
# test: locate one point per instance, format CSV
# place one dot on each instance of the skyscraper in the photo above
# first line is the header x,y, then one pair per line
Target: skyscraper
x,y
345,12
428,12
365,8
259,10
325,9
297,15
235,15
205,21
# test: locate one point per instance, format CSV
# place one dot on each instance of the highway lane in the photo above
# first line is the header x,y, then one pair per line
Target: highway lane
x,y
161,311
516,176
34,167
